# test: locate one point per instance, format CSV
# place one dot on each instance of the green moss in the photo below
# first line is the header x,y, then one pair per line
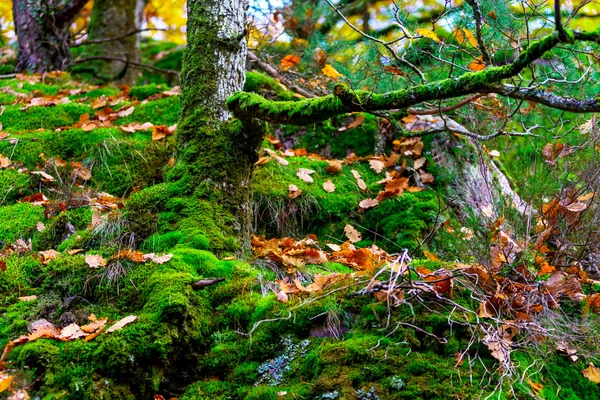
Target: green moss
x,y
33,118
159,112
260,83
14,185
119,162
143,92
18,221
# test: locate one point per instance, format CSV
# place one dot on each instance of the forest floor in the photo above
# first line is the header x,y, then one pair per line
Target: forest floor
x,y
109,291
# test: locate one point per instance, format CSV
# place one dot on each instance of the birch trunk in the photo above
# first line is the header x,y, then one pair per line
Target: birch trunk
x,y
216,153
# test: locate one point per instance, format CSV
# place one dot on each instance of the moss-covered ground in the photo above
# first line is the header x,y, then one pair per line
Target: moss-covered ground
x,y
234,339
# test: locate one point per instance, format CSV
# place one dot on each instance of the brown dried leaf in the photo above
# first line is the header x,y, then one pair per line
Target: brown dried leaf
x,y
377,165
95,325
352,234
329,186
294,191
95,260
334,167
368,203
71,332
120,324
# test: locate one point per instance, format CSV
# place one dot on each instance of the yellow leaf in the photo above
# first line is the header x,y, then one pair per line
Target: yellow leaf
x,y
5,381
430,255
288,62
470,37
592,373
477,64
331,72
460,36
428,34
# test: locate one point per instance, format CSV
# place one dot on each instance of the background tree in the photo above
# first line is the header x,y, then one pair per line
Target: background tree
x,y
116,25
43,31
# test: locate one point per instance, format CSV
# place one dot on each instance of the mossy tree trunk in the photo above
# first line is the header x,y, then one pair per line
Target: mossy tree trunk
x,y
42,27
117,22
217,152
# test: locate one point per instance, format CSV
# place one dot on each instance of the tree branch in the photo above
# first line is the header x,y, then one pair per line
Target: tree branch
x,y
479,30
275,74
440,110
96,41
69,11
343,100
570,104
131,63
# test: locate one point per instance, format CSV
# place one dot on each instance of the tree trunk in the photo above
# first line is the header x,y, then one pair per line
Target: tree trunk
x,y
117,19
42,28
216,152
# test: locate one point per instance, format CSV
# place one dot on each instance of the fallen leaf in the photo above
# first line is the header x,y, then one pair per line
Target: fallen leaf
x,y
158,259
48,255
368,203
352,234
329,186
4,161
5,381
430,255
95,260
304,174
161,131
334,247
71,332
120,324
361,183
95,325
592,373
45,177
419,162
40,226
334,167
293,191
537,387
378,165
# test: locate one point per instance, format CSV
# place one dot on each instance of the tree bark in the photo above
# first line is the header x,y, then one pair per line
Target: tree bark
x,y
42,27
216,153
115,19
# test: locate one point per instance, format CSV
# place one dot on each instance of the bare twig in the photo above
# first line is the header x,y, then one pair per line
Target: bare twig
x,y
131,63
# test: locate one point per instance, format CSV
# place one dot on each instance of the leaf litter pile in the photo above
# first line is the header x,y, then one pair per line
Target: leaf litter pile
x,y
517,298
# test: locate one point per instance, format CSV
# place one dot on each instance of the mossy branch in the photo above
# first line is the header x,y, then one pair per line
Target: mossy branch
x,y
343,99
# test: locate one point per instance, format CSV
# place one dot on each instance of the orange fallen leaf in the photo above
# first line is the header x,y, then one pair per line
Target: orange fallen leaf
x,y
477,64
288,62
